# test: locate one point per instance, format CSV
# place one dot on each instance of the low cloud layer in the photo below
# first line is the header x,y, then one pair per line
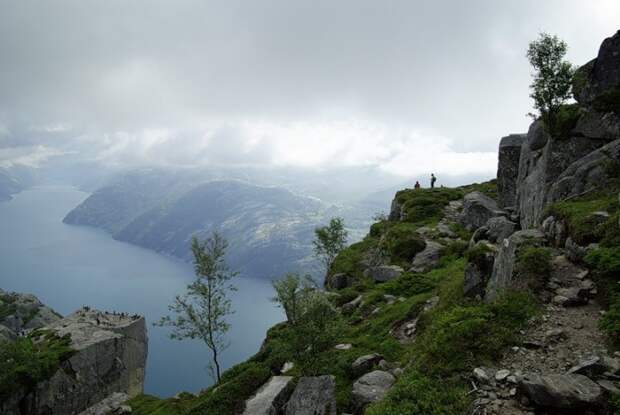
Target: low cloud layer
x,y
411,86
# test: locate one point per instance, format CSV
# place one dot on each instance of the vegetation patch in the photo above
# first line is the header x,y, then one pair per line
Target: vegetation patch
x,y
30,360
565,121
605,264
425,206
402,242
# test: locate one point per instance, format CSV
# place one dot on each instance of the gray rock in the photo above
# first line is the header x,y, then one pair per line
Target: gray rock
x,y
591,172
569,391
110,356
540,168
477,273
600,75
555,230
364,364
499,228
6,334
338,281
371,387
536,136
594,124
25,312
313,396
384,273
508,169
352,305
480,234
428,258
502,374
595,367
477,210
343,346
571,296
504,275
270,398
113,404
396,213
574,251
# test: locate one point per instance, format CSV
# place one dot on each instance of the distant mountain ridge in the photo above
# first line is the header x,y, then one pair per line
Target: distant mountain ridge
x,y
269,229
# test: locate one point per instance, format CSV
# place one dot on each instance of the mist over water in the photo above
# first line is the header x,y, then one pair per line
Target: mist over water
x,y
69,266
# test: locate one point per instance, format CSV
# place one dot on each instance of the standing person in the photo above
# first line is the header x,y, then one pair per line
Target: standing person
x,y
433,180
417,185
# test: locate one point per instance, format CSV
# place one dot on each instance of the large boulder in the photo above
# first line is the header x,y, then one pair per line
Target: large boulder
x,y
595,124
270,398
371,387
590,172
384,273
313,396
427,258
478,209
568,392
598,82
504,275
499,228
110,357
508,169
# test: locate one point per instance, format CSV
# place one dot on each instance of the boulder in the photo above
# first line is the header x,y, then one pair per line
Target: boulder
x,y
508,169
428,258
364,364
536,136
270,398
594,124
599,78
396,209
352,305
504,276
384,273
371,387
499,228
591,172
480,234
110,357
595,367
569,392
313,396
477,210
478,271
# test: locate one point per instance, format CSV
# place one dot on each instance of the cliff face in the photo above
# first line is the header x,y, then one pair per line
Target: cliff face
x,y
108,358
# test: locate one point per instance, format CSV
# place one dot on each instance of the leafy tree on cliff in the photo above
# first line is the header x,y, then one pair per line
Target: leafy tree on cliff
x,y
201,312
552,76
329,241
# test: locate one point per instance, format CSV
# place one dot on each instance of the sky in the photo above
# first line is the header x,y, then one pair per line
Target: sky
x,y
405,86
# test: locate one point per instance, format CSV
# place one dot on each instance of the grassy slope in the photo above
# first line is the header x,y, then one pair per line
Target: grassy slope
x,y
450,339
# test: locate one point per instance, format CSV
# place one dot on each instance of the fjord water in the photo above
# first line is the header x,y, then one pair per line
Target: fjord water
x,y
70,266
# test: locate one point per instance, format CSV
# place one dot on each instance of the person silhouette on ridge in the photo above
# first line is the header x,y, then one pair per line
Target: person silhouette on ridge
x,y
417,185
433,180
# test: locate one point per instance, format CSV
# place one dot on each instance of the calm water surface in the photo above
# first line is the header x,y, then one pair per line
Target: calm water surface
x,y
69,266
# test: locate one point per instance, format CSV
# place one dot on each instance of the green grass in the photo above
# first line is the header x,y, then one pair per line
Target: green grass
x,y
401,242
30,360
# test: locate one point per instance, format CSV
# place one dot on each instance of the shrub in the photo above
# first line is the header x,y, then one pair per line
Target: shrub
x,y
402,242
349,259
533,263
605,264
565,120
30,360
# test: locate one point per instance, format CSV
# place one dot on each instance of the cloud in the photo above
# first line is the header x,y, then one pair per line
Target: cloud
x,y
27,156
409,85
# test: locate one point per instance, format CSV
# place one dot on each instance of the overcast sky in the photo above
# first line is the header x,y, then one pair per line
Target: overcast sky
x,y
410,86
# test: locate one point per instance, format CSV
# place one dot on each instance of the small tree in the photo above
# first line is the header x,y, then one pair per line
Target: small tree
x,y
201,312
552,76
290,294
313,322
329,241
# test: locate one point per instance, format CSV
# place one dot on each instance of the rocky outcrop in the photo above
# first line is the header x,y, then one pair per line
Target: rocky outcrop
x,y
477,210
23,312
504,275
110,357
270,398
313,396
599,78
364,364
370,388
588,173
539,168
508,169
